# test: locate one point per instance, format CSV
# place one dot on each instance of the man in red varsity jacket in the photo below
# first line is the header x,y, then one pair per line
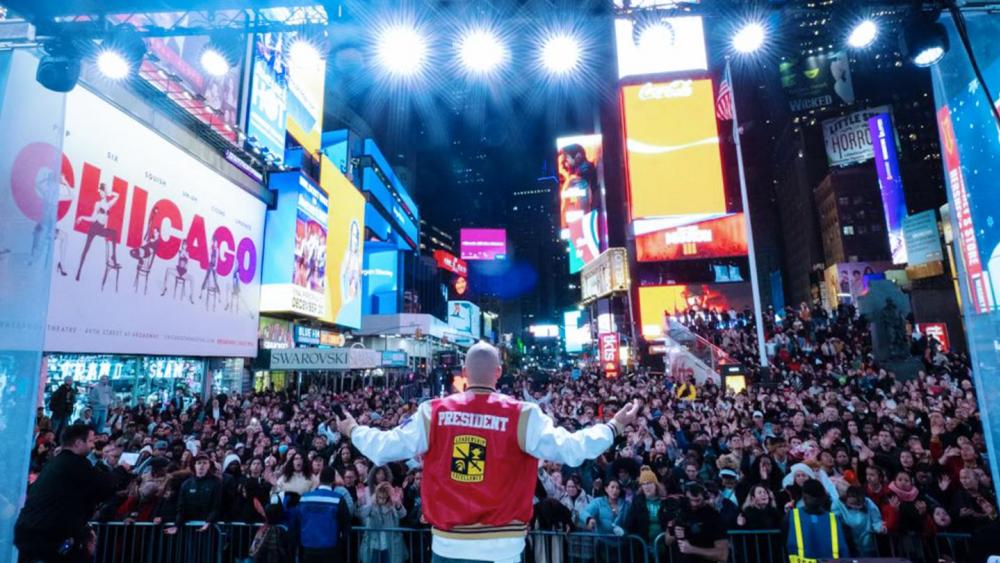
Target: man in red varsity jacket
x,y
480,450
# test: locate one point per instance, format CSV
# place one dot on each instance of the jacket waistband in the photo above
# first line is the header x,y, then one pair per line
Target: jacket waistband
x,y
512,530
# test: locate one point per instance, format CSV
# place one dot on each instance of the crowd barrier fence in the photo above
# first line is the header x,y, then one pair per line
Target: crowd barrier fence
x,y
229,542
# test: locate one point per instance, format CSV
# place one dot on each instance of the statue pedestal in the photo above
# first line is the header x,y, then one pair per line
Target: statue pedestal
x,y
904,370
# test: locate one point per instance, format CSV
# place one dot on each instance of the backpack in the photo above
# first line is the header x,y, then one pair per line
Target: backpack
x,y
270,545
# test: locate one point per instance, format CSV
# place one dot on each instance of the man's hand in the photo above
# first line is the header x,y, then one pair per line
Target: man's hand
x,y
345,424
627,415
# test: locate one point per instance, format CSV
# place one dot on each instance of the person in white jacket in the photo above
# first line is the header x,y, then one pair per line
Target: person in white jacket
x,y
541,439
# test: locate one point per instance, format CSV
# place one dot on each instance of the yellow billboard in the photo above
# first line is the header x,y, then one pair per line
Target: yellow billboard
x,y
344,246
672,148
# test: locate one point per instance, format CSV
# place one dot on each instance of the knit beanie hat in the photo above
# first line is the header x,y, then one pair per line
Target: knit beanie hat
x,y
646,475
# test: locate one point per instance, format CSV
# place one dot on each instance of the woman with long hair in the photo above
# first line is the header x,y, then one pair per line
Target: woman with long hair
x,y
384,512
296,475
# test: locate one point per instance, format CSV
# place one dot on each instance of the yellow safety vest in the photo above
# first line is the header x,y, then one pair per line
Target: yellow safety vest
x,y
801,545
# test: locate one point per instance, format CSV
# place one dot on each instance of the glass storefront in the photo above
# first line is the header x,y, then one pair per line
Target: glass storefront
x,y
134,379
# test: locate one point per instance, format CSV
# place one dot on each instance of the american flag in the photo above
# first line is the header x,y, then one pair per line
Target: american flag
x,y
724,101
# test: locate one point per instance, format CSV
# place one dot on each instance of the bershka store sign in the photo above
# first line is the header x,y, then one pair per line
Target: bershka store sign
x,y
450,262
325,359
153,252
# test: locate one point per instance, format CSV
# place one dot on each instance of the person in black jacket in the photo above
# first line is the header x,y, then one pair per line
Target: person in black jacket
x,y
200,498
61,405
52,526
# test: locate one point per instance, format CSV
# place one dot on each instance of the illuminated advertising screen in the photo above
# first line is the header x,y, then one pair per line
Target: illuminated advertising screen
x,y
295,262
656,301
658,45
464,317
577,331
690,238
380,284
483,244
275,334
847,281
150,256
344,247
672,149
266,118
890,183
579,169
610,354
544,331
306,76
450,263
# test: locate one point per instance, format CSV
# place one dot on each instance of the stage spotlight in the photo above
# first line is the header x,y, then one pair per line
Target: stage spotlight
x,y
560,54
923,41
401,50
59,68
303,54
112,64
481,51
863,34
749,38
121,53
221,53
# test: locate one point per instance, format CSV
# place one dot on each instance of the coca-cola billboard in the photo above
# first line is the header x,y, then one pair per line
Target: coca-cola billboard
x,y
152,251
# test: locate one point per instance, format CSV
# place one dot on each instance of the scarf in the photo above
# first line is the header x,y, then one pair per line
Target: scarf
x,y
905,496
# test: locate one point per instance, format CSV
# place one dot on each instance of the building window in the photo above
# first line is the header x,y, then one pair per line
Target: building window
x,y
848,229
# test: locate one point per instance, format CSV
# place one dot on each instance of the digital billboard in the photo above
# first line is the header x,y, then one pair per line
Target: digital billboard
x,y
847,281
294,276
690,238
464,317
380,283
266,116
610,354
544,331
483,244
579,168
306,76
673,156
275,334
344,247
577,331
661,45
655,301
150,256
450,263
890,183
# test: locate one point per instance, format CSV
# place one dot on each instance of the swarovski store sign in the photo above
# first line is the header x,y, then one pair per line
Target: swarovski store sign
x,y
331,359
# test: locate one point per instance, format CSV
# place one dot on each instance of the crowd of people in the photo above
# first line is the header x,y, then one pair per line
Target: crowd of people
x,y
898,462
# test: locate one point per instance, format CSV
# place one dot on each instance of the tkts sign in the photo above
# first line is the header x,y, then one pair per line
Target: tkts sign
x,y
610,359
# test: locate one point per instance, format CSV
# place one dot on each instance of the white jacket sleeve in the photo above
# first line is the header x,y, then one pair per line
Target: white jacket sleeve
x,y
544,440
401,443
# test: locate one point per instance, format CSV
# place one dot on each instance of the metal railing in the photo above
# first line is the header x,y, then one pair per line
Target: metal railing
x,y
145,542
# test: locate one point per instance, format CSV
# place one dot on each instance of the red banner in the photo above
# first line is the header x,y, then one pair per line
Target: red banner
x,y
719,237
610,358
937,331
452,263
979,285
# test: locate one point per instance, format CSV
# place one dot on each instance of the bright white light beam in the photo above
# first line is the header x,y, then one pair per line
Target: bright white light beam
x,y
401,50
113,64
561,54
481,51
749,38
863,34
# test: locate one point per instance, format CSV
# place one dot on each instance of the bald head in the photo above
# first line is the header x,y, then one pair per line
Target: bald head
x,y
482,365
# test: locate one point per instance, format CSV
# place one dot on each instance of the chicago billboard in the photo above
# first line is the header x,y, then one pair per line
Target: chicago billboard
x,y
152,256
483,244
673,156
579,169
344,247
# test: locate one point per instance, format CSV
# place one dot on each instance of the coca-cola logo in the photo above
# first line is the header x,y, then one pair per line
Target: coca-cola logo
x,y
661,90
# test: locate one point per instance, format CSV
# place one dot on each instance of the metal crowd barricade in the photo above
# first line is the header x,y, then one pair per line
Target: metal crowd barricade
x,y
745,546
584,547
127,542
236,540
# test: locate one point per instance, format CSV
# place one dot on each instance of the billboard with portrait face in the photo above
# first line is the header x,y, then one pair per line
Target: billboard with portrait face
x,y
579,168
655,301
673,156
344,247
150,256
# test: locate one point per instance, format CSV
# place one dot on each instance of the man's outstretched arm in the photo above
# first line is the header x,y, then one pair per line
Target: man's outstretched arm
x,y
406,441
541,438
